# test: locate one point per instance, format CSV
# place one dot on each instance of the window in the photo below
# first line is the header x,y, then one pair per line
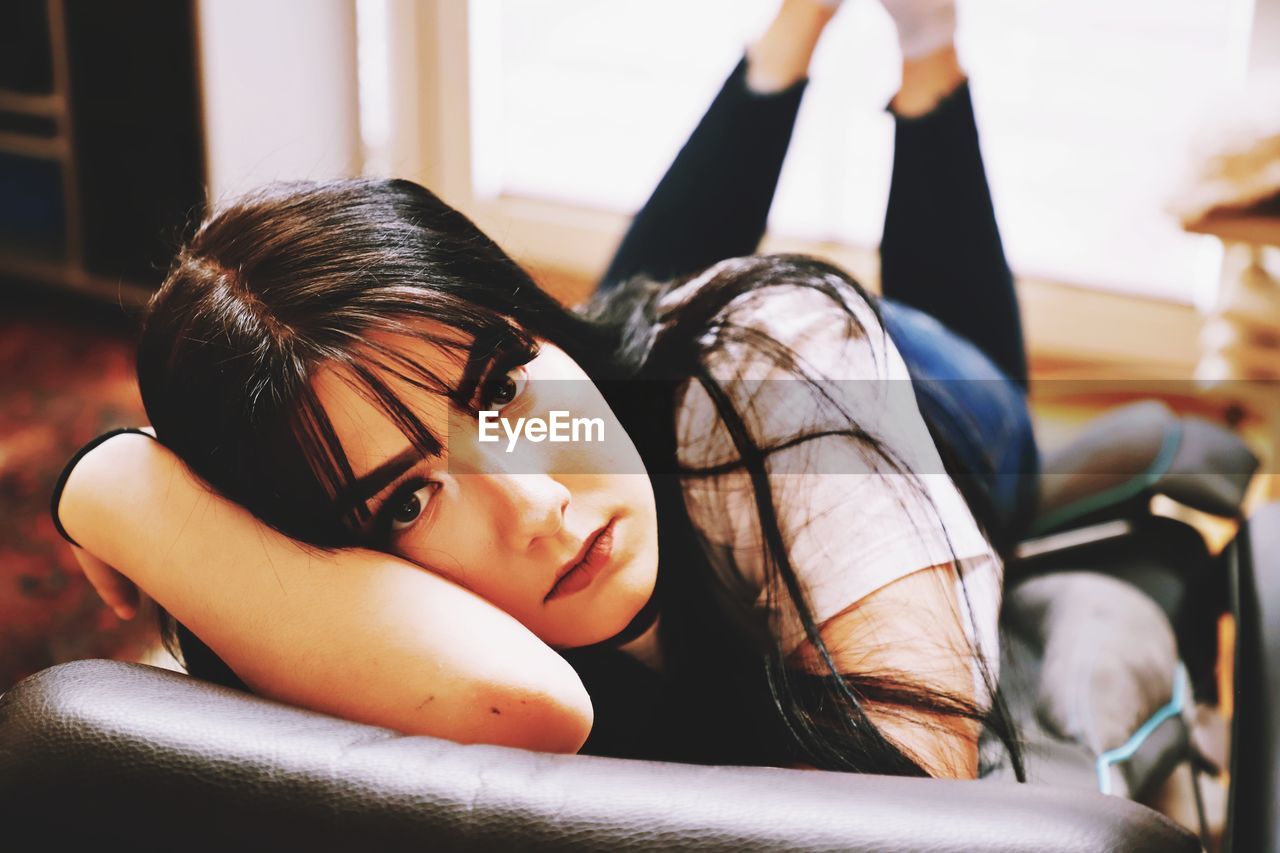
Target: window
x,y
1087,111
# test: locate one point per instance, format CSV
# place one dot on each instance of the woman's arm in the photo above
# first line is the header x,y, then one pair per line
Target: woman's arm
x,y
873,526
879,581
354,633
910,628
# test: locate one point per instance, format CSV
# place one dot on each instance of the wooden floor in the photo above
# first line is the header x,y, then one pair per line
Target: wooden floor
x,y
66,375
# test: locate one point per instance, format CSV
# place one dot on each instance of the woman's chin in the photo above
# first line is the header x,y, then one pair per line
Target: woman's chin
x,y
600,622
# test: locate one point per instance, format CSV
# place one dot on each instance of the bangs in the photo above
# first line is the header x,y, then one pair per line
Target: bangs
x,y
371,368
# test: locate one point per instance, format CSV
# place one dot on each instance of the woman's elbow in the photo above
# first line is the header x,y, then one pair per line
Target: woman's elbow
x,y
560,726
540,721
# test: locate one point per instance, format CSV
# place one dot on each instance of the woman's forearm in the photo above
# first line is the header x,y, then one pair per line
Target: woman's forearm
x,y
356,633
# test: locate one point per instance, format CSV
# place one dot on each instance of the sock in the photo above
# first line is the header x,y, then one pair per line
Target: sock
x,y
924,26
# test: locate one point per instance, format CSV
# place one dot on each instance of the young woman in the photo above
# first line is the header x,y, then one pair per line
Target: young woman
x,y
758,557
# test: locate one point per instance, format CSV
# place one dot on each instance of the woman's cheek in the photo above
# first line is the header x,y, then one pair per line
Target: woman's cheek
x,y
453,557
426,551
405,549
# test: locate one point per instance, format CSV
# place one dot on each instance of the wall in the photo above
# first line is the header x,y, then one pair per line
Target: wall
x,y
279,88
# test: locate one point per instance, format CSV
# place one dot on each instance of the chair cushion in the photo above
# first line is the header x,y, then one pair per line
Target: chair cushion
x,y
1108,655
1123,457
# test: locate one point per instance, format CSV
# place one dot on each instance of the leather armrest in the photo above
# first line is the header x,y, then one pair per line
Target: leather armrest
x,y
98,751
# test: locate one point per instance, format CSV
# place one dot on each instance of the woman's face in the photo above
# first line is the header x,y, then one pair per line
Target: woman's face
x,y
509,518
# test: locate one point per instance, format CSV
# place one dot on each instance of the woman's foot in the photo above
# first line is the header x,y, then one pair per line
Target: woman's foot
x,y
930,68
924,26
926,34
780,58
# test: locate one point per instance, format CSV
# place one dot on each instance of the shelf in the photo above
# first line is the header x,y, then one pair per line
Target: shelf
x,y
74,278
34,146
101,159
50,106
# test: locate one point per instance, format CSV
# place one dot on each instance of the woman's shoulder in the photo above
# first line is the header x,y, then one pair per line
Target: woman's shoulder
x,y
800,346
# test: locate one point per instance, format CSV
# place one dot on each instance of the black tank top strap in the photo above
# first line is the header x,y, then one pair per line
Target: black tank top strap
x,y
70,466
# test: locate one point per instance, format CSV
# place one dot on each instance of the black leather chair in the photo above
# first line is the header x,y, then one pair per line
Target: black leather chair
x,y
1253,564
100,751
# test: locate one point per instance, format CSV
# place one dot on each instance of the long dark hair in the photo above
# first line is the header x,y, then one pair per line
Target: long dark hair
x,y
299,275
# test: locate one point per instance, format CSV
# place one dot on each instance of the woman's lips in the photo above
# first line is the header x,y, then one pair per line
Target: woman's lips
x,y
593,561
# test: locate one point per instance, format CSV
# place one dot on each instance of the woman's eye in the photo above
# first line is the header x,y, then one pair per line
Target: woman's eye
x,y
410,509
505,389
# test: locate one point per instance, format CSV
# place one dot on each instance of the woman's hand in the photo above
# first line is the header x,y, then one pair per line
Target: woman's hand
x,y
121,594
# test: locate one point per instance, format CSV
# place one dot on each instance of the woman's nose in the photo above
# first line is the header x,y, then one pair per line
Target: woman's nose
x,y
536,503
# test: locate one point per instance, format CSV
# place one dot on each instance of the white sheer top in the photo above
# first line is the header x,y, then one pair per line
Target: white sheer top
x,y
854,521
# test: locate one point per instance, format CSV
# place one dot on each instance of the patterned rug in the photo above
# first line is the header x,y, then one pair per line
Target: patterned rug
x,y
66,374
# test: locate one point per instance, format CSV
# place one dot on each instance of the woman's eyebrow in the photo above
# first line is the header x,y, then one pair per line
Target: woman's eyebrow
x,y
480,357
363,488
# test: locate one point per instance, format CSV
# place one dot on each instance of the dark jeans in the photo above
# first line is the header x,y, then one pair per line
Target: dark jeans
x,y
949,303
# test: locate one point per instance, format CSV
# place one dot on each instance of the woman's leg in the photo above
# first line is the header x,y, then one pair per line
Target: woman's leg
x,y
714,200
950,303
941,251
